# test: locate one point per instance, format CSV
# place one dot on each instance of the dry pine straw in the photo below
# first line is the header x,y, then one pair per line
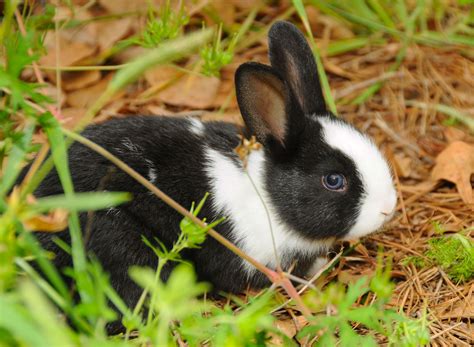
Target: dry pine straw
x,y
410,137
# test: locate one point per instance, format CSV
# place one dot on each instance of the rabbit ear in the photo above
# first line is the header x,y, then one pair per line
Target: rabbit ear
x,y
262,98
292,58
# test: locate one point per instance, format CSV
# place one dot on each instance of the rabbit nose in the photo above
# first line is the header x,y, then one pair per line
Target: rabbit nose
x,y
388,213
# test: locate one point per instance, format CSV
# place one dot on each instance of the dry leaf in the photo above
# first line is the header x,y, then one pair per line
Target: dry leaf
x,y
77,80
121,6
54,93
129,54
456,164
108,33
85,97
230,116
403,165
54,221
196,92
245,147
289,327
69,53
463,309
454,134
161,75
71,116
348,277
226,12
246,4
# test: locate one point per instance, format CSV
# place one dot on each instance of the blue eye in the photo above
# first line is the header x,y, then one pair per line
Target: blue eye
x,y
334,181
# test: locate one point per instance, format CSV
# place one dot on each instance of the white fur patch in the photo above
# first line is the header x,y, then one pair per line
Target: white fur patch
x,y
379,203
151,171
113,211
196,126
132,147
318,264
235,197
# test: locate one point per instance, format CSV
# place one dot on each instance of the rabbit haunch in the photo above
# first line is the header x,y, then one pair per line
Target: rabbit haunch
x,y
242,195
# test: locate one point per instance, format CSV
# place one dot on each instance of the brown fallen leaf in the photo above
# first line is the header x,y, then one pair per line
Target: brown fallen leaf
x,y
54,93
160,76
121,6
77,80
53,222
403,165
230,116
196,92
463,309
108,33
70,52
454,134
456,164
85,97
245,147
289,327
71,116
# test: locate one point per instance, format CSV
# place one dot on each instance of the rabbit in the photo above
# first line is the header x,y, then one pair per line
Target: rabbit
x,y
315,180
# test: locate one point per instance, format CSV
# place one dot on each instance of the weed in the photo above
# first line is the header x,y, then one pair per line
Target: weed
x,y
164,25
455,255
336,328
215,56
417,261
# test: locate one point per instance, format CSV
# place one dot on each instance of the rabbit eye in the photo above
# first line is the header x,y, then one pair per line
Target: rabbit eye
x,y
334,181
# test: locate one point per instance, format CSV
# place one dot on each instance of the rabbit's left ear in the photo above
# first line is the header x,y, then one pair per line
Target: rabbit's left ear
x,y
292,58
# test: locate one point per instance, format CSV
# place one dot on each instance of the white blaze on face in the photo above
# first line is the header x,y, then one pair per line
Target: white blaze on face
x,y
378,203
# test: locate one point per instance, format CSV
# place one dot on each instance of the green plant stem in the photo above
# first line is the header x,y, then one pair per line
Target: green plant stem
x,y
450,111
84,68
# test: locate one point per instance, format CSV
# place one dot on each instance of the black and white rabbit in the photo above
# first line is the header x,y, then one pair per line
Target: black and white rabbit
x,y
318,178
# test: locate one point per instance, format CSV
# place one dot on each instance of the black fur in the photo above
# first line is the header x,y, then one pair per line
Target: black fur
x,y
297,158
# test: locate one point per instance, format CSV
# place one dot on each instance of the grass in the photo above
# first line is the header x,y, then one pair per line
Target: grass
x,y
455,255
334,313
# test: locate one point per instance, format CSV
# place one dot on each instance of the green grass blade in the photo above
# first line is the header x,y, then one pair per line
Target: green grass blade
x,y
15,159
81,201
447,110
373,26
361,9
16,319
322,74
50,272
348,45
406,40
59,155
381,13
402,12
441,39
39,308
